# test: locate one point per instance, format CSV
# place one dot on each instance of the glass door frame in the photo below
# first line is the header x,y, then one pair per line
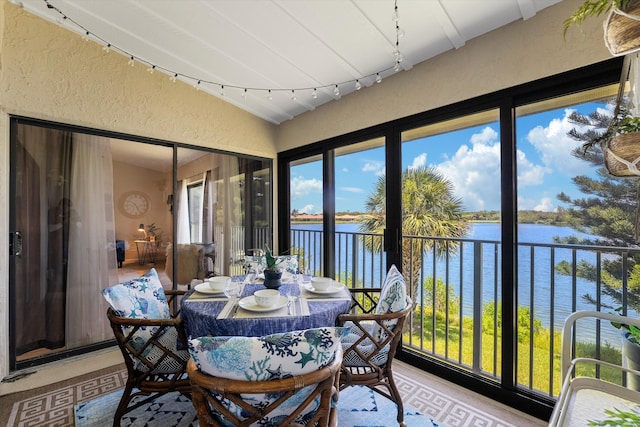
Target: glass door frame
x,y
506,100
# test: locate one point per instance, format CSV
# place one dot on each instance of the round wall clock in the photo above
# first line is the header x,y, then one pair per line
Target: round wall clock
x,y
134,204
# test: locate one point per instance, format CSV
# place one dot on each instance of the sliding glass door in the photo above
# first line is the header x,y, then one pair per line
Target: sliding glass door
x,y
91,209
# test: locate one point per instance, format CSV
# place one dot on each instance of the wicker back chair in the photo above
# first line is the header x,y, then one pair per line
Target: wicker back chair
x,y
368,359
156,366
212,396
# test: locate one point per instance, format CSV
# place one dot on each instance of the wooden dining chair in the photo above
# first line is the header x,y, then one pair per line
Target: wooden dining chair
x,y
376,323
291,382
152,341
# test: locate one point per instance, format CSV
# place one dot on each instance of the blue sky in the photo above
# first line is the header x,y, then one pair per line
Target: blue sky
x,y
470,159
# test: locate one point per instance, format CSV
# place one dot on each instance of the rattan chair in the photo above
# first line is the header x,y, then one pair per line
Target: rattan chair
x,y
368,360
156,366
212,396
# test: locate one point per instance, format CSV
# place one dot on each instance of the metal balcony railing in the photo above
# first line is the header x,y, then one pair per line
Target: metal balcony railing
x,y
456,284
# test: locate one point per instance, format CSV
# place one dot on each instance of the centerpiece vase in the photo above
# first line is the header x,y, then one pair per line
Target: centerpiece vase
x,y
272,279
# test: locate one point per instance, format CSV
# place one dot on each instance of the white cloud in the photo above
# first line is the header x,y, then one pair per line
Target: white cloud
x,y
475,172
418,161
301,187
345,170
352,189
310,209
555,146
545,205
529,174
374,166
486,136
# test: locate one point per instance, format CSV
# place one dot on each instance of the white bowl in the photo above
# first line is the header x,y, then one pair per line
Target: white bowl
x,y
321,283
219,283
266,297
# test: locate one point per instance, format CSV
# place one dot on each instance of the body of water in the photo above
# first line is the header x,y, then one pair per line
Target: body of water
x,y
550,295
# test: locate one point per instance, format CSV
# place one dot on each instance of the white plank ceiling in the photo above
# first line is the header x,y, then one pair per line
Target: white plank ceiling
x,y
287,46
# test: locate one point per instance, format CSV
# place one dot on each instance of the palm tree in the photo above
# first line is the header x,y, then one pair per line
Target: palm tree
x,y
429,209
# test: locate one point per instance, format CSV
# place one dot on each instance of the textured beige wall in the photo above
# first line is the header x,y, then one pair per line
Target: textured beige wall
x,y
515,54
49,73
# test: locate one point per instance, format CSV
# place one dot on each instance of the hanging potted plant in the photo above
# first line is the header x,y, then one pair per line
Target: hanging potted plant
x,y
622,149
621,28
272,274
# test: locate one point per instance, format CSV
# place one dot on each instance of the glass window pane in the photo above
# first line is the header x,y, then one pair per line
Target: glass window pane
x,y
451,202
306,213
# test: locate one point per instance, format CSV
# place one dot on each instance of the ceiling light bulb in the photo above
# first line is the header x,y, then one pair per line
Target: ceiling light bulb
x,y
244,94
358,85
314,94
151,69
221,90
86,36
107,48
293,95
269,95
396,68
378,78
131,61
400,32
197,86
173,78
336,91
398,56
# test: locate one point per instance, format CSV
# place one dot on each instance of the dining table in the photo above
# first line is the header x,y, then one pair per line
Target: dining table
x,y
205,312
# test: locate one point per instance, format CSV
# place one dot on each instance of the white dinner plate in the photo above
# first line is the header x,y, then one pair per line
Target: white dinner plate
x,y
332,289
204,288
249,303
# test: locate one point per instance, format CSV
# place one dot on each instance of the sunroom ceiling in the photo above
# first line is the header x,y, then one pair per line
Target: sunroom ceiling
x,y
287,46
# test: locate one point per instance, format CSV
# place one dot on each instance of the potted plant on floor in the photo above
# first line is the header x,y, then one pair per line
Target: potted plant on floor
x,y
630,351
621,28
272,274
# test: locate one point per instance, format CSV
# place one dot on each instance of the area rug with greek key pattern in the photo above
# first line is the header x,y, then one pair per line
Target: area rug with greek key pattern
x,y
445,403
358,406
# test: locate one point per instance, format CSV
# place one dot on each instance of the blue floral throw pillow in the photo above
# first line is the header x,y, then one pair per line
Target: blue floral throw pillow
x,y
268,358
393,297
140,298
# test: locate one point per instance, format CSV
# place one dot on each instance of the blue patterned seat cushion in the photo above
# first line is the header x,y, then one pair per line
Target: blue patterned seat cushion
x,y
288,263
268,358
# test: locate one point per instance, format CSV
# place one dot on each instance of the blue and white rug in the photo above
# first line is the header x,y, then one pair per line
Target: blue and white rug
x,y
358,406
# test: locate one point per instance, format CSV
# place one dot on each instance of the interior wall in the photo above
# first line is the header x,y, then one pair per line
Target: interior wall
x,y
157,187
50,73
517,53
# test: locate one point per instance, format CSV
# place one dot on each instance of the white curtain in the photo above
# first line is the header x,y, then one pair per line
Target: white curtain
x,y
230,200
183,232
634,81
92,254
